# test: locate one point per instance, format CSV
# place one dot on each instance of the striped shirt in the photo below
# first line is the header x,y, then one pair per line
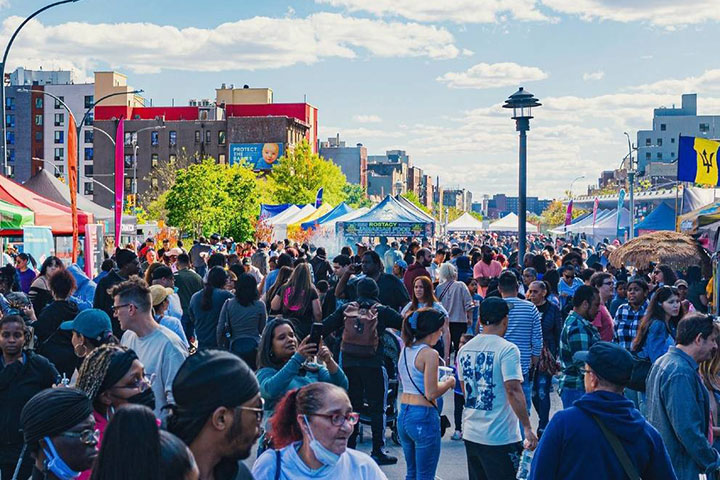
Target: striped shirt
x,y
524,330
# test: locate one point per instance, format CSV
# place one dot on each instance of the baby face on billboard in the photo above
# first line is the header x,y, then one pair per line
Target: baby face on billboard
x,y
270,152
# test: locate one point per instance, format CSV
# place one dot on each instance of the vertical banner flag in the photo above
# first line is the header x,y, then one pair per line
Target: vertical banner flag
x,y
596,203
568,213
697,160
318,197
119,178
72,168
621,200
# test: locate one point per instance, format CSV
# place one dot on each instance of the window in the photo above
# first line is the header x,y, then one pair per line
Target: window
x,y
10,120
208,136
128,184
172,159
88,188
10,103
197,136
221,158
89,100
90,119
659,142
128,161
672,140
704,127
154,160
659,155
173,138
154,182
59,119
88,170
89,153
647,155
38,120
89,135
10,136
38,102
38,136
221,137
58,105
60,168
130,138
647,142
672,154
154,138
59,136
59,155
11,155
663,127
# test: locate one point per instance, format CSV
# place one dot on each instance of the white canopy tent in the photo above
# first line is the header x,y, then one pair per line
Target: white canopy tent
x,y
280,227
465,223
280,217
509,223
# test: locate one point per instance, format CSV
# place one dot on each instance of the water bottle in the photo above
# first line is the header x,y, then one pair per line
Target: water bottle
x,y
525,462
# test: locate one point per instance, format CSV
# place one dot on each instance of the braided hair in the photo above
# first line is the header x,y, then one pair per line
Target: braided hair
x,y
94,369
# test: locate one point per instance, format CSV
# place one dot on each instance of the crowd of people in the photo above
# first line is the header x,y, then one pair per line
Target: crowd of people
x,y
182,364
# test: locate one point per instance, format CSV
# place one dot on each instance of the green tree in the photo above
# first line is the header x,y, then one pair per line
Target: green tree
x,y
356,196
161,177
413,198
477,215
554,214
299,174
208,197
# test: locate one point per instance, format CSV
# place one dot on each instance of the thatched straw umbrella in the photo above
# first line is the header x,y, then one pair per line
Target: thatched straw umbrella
x,y
675,249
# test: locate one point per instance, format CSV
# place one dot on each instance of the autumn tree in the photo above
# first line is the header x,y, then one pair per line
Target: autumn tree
x,y
554,214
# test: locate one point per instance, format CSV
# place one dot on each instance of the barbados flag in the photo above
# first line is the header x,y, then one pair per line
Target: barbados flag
x,y
697,160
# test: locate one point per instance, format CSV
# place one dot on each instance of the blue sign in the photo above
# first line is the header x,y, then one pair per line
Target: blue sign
x,y
260,156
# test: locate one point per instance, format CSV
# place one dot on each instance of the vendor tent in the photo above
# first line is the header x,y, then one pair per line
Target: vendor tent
x,y
322,210
608,227
280,217
268,210
280,227
336,212
414,208
661,218
389,218
47,213
50,187
13,217
509,223
465,223
330,224
693,221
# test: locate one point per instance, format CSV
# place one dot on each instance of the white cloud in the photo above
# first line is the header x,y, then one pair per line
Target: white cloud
x,y
599,75
490,75
663,13
708,81
367,119
241,45
457,11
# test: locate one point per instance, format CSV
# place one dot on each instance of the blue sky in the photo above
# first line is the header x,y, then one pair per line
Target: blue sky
x,y
420,75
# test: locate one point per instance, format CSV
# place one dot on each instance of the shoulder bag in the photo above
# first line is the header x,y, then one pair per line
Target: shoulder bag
x,y
619,450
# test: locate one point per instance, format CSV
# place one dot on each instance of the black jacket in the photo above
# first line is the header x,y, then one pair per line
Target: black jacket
x,y
56,344
104,301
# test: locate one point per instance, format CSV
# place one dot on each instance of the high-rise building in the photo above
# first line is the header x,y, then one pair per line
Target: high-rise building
x,y
351,160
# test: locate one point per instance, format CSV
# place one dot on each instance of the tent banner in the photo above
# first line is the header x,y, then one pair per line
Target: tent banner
x,y
385,229
38,242
93,249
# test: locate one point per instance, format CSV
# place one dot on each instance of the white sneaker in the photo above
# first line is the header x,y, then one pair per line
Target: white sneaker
x,y
457,435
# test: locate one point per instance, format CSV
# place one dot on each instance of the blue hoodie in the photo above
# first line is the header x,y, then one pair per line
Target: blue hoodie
x,y
85,291
573,446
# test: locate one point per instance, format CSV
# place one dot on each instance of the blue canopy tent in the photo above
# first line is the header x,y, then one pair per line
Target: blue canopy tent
x,y
336,212
389,218
661,218
268,211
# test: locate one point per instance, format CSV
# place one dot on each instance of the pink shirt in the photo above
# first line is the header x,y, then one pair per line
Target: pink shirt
x,y
604,323
100,424
483,270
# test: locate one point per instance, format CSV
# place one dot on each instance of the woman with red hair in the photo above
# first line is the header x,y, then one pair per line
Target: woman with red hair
x,y
311,428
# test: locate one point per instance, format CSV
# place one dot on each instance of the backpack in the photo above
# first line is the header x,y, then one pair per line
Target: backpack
x,y
360,335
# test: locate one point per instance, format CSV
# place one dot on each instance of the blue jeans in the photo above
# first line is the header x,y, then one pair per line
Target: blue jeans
x,y
541,398
569,395
419,429
527,386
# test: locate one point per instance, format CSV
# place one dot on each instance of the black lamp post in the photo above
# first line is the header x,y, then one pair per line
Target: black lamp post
x,y
522,103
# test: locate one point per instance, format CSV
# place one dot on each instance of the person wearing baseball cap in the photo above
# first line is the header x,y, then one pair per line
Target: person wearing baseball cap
x,y
602,417
489,367
160,299
90,329
682,291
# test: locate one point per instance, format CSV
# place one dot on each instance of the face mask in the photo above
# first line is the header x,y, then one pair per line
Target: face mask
x,y
146,398
322,454
57,465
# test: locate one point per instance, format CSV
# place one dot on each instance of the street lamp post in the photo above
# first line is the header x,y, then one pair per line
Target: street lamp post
x,y
571,194
2,74
631,181
522,103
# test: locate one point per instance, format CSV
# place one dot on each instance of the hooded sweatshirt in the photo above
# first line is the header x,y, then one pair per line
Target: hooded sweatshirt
x,y
414,271
573,446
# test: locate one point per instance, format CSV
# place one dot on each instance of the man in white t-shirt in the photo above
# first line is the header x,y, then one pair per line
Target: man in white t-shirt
x,y
159,349
491,375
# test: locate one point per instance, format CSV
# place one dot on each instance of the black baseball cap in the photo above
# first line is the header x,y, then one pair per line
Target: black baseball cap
x,y
609,360
493,310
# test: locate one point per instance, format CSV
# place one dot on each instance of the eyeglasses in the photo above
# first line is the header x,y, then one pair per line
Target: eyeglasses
x,y
608,284
88,437
143,383
259,411
339,419
115,308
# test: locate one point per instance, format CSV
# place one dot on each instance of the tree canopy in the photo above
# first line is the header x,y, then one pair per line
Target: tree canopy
x,y
554,214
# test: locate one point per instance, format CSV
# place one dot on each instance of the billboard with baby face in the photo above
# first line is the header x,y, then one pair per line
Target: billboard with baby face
x,y
260,156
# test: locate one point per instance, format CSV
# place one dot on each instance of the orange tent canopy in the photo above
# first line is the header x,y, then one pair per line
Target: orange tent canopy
x,y
47,213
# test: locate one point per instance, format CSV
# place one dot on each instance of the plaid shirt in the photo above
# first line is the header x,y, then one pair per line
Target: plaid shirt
x,y
626,324
577,335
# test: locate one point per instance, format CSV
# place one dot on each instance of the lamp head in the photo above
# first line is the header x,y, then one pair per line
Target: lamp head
x,y
522,102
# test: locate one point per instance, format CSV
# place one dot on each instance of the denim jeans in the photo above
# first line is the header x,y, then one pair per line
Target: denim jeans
x,y
569,395
541,398
419,429
527,386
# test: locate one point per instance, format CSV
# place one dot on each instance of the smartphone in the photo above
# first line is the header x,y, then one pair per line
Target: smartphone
x,y
315,333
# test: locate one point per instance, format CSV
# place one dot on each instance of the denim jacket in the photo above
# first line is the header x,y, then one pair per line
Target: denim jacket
x,y
659,339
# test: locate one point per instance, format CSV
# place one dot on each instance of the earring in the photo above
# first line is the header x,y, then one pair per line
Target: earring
x,y
77,350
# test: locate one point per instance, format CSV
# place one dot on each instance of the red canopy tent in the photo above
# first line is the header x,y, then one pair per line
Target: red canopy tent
x,y
47,213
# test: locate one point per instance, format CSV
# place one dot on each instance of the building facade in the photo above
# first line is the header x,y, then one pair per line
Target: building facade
x,y
351,160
